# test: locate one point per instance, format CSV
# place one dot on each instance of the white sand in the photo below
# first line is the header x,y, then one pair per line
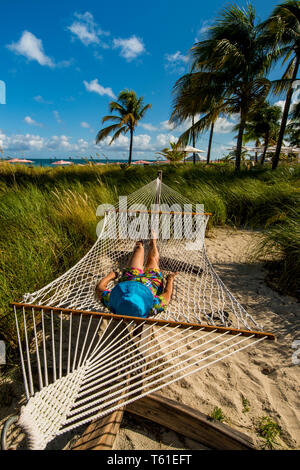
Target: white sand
x,y
265,376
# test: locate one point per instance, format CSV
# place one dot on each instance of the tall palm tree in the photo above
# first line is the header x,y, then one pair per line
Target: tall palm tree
x,y
130,109
232,64
185,109
282,33
264,123
194,98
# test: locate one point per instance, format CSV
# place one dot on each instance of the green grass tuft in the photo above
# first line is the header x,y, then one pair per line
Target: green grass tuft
x,y
268,430
217,414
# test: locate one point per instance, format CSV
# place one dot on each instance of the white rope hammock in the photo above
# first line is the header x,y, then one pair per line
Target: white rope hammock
x,y
81,362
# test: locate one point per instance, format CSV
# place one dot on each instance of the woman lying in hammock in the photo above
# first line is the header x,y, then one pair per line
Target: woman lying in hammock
x,y
143,297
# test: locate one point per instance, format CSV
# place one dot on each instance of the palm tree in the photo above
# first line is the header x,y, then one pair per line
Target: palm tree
x,y
173,154
192,98
250,135
264,123
282,32
231,64
130,109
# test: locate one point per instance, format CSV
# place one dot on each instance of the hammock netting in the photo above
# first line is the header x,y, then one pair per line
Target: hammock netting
x,y
80,362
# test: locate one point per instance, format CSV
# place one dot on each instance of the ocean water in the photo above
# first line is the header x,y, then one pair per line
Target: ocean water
x,y
49,161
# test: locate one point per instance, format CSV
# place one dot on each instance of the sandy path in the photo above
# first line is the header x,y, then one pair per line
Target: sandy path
x,y
266,377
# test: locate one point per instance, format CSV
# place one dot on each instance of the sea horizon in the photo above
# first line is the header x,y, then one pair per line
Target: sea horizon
x,y
83,161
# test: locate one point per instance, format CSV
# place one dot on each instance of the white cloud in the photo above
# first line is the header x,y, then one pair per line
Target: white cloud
x,y
280,103
31,121
166,125
163,140
130,48
223,126
121,142
82,144
94,86
61,142
21,142
142,141
177,57
176,63
41,100
85,125
148,127
57,116
86,29
32,48
295,98
205,25
98,56
35,143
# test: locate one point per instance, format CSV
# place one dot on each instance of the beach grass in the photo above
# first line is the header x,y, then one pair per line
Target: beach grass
x,y
48,215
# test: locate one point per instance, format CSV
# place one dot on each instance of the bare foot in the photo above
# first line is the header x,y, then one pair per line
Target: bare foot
x,y
153,240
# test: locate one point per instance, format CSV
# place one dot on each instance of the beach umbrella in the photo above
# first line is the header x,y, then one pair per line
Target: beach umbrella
x,y
189,149
285,149
62,162
19,160
249,149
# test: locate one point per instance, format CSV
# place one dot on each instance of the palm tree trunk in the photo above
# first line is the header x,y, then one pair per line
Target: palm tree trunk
x,y
210,142
256,153
194,155
240,142
265,148
130,146
285,117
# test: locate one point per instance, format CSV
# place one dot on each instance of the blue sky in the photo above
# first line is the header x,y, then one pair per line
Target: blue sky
x,y
62,62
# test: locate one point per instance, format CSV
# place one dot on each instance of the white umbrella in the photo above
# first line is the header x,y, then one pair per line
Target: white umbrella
x,y
249,149
253,149
285,149
190,149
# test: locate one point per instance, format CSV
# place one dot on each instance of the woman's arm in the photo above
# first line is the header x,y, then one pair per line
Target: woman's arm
x,y
167,294
102,284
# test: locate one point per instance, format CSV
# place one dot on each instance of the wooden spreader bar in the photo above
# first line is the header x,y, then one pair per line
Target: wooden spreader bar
x,y
150,321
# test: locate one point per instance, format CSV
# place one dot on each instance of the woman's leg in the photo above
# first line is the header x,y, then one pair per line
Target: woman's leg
x,y
137,257
153,256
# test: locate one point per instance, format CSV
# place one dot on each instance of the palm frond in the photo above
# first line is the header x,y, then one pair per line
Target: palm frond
x,y
122,130
110,118
106,131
